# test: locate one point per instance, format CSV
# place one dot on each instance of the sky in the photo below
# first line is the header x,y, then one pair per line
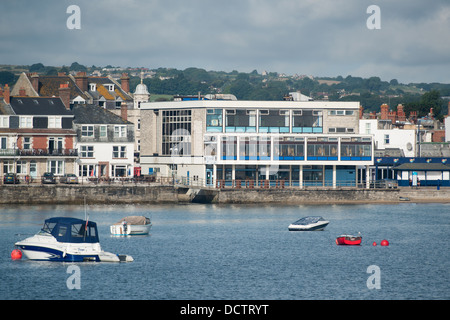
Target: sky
x,y
306,37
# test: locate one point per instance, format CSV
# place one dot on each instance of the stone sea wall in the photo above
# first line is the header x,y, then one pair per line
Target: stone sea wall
x,y
129,194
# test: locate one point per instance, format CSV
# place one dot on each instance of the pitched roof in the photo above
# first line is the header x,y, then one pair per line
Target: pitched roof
x,y
422,167
49,86
39,106
91,114
109,95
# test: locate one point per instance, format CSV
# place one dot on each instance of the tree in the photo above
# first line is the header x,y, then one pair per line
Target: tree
x,y
6,77
37,67
75,66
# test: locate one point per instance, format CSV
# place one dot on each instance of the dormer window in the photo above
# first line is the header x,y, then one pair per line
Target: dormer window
x,y
109,86
92,86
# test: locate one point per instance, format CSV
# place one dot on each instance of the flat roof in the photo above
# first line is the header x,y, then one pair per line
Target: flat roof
x,y
250,104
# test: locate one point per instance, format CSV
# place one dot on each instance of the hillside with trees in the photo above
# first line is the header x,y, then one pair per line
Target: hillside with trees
x,y
370,92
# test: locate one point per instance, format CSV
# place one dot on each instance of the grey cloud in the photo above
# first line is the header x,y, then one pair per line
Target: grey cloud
x,y
304,36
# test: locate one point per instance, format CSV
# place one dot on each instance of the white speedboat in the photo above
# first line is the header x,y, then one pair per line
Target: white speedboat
x,y
131,226
309,224
68,240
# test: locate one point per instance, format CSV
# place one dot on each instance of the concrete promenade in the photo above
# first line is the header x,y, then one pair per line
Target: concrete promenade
x,y
142,194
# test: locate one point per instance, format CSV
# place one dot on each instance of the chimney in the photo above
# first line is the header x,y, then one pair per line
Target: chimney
x,y
22,92
6,95
64,94
401,113
125,82
384,111
82,81
124,111
61,74
35,82
361,112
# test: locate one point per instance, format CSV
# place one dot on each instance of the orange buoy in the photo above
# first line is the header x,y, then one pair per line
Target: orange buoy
x,y
16,254
384,243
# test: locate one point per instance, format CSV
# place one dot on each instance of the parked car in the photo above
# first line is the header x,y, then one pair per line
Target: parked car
x,y
11,178
48,177
385,183
69,178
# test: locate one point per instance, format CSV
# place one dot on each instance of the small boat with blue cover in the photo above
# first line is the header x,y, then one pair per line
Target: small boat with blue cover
x,y
309,224
69,240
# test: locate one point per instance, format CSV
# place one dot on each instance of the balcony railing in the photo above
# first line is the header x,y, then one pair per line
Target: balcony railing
x,y
48,152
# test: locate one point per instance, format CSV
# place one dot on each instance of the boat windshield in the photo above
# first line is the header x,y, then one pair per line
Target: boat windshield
x,y
70,230
47,228
308,220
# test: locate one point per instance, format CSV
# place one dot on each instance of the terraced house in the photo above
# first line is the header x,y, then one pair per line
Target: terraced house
x,y
256,143
36,135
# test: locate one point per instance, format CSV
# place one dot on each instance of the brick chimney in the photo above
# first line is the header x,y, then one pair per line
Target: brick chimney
x,y
401,113
125,82
22,92
384,111
35,82
124,111
361,112
6,94
82,81
64,94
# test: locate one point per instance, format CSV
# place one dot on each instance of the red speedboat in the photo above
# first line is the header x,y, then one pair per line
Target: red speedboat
x,y
349,240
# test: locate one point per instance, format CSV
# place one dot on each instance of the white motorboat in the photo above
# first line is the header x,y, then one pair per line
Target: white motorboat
x,y
68,240
309,224
131,226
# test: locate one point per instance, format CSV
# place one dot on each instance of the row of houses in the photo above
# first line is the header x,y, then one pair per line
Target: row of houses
x,y
96,128
67,124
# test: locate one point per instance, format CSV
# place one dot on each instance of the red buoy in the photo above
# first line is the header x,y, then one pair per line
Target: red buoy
x,y
384,243
16,254
374,244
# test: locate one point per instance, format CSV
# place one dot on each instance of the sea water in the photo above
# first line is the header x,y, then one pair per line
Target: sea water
x,y
234,252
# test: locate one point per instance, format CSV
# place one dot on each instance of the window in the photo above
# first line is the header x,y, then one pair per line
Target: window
x,y
86,170
3,141
368,128
119,151
241,121
87,152
274,121
55,166
87,131
229,148
26,143
26,122
21,167
120,131
176,136
307,121
8,166
4,122
214,120
386,139
109,87
54,122
103,131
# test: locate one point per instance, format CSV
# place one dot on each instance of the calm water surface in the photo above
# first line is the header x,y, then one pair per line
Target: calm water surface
x,y
241,252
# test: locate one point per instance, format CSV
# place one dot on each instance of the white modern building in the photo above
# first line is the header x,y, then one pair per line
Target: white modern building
x,y
256,143
403,140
